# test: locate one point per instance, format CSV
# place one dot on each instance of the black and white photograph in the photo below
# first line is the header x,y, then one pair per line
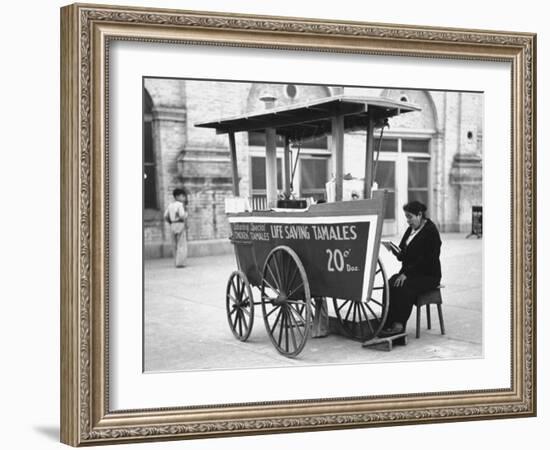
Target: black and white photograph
x,y
225,222
291,224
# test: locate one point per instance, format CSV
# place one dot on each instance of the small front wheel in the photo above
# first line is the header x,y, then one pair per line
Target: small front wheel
x,y
239,305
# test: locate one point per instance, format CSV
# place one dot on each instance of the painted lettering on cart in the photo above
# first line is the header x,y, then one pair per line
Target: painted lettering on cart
x,y
316,232
266,232
250,231
335,232
330,251
290,232
258,232
240,231
337,261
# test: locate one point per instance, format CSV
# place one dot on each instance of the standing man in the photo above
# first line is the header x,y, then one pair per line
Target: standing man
x,y
176,216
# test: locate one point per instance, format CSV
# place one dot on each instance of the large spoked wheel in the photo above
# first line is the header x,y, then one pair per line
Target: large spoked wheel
x,y
363,320
239,304
286,301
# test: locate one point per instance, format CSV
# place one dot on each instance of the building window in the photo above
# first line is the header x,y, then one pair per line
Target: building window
x,y
291,90
405,164
385,178
257,138
388,145
149,165
258,181
415,145
418,179
258,173
313,177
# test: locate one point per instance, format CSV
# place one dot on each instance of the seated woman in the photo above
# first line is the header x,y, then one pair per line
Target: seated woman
x,y
420,271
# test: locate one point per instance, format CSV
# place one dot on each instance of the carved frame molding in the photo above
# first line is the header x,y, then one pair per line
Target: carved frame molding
x,y
86,32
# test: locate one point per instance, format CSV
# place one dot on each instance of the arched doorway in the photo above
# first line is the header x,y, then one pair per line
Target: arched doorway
x,y
150,197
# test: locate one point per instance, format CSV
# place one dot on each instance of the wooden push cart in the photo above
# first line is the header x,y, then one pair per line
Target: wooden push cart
x,y
297,255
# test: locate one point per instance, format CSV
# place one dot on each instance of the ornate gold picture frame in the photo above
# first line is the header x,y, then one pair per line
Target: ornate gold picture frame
x,y
87,32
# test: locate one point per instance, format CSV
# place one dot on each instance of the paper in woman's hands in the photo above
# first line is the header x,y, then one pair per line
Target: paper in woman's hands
x,y
390,246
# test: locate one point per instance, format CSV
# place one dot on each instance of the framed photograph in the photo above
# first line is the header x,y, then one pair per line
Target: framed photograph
x,y
279,224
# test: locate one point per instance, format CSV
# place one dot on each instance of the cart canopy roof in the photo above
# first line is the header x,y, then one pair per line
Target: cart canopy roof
x,y
309,120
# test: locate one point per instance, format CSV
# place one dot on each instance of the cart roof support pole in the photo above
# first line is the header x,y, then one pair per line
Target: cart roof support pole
x,y
271,167
287,163
234,169
338,155
369,159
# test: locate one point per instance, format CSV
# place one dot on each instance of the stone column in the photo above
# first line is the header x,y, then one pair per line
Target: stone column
x,y
466,169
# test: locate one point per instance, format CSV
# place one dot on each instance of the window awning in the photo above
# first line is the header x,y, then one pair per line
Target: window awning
x,y
313,119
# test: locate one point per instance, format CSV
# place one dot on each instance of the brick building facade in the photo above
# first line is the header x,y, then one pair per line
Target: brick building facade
x,y
434,155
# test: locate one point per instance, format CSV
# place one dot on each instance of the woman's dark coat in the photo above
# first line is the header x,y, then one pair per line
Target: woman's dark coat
x,y
421,266
421,257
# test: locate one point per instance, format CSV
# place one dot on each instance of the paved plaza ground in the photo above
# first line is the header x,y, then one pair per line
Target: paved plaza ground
x,y
185,324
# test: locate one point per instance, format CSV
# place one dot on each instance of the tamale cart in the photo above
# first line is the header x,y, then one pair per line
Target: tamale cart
x,y
294,254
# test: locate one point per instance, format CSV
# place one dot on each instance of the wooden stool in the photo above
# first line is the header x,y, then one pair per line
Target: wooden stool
x,y
432,297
